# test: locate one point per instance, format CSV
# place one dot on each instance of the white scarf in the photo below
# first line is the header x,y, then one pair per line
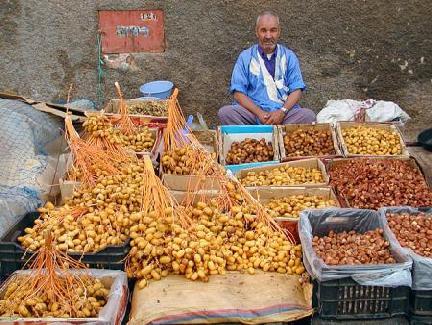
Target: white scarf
x,y
273,85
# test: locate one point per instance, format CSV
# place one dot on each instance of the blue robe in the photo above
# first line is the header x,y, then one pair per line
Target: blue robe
x,y
250,77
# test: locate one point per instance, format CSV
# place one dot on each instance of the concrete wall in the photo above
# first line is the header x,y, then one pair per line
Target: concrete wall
x,y
348,49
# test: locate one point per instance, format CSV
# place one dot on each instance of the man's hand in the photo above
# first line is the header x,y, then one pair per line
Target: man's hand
x,y
263,117
248,103
275,118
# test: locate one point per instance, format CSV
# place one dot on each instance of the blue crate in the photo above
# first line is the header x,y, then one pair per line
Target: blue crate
x,y
236,168
247,131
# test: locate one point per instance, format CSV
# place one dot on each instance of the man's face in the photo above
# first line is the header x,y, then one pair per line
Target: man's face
x,y
268,33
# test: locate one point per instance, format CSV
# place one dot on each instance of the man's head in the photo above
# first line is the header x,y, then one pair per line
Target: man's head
x,y
267,31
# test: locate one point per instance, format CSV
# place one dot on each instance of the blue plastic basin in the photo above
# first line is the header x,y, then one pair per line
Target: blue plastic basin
x,y
159,88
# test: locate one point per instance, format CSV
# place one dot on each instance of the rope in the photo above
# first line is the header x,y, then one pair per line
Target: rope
x,y
100,72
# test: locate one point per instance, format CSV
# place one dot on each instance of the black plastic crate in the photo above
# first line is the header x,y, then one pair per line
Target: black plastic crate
x,y
13,256
421,303
420,320
345,299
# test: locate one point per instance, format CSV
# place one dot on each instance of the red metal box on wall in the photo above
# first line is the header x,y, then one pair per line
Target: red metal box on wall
x,y
126,31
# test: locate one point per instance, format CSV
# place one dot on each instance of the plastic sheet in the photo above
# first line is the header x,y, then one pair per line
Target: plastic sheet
x,y
348,109
24,135
422,266
319,222
111,314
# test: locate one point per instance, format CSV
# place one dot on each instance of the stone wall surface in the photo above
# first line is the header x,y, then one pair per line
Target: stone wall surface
x,y
348,49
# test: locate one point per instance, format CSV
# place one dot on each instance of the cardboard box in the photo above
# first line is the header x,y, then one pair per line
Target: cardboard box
x,y
227,134
192,183
158,135
67,188
342,125
265,194
306,163
185,183
282,130
207,138
423,158
112,108
338,161
193,197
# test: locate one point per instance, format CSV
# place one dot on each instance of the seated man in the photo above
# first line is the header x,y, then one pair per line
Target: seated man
x,y
266,81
